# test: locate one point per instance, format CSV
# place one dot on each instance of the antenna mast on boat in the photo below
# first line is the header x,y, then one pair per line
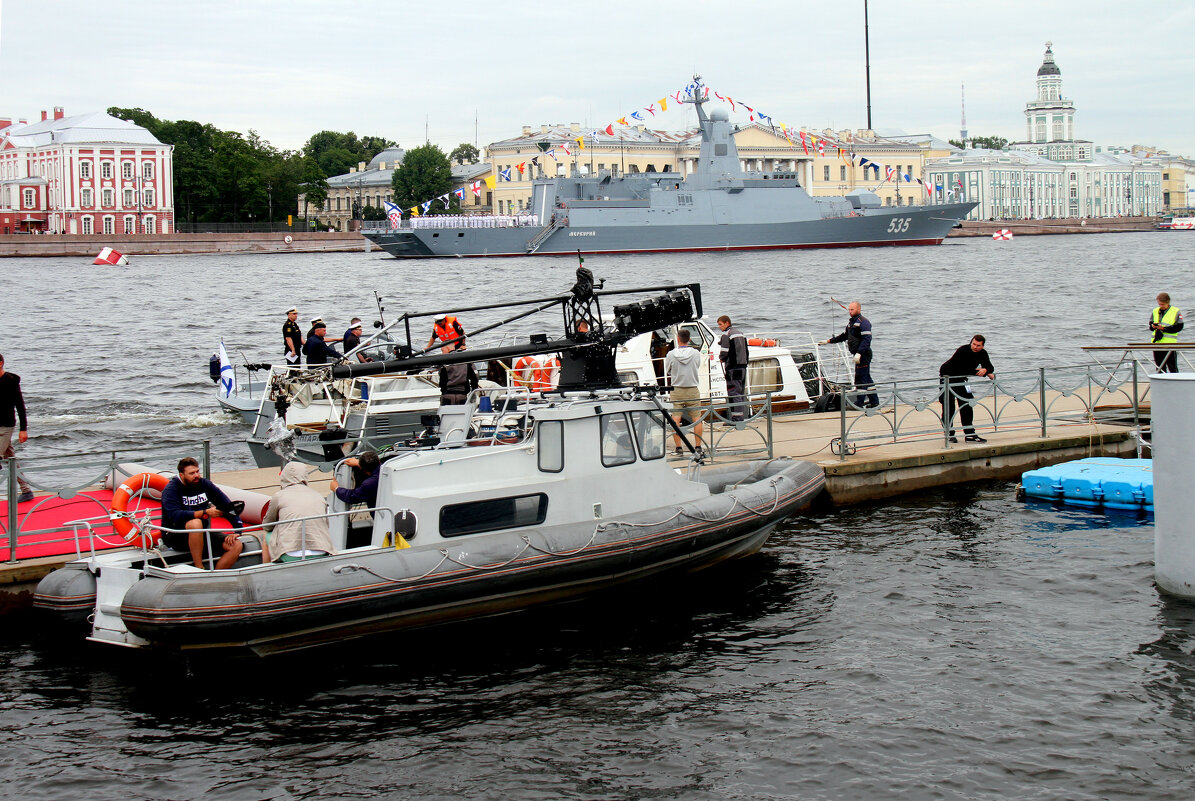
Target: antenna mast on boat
x,y
867,63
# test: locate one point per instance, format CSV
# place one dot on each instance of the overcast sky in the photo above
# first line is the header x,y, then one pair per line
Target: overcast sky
x,y
290,69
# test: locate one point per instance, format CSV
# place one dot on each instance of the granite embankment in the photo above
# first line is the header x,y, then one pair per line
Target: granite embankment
x,y
1091,225
180,244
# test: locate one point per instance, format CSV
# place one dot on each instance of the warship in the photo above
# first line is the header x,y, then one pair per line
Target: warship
x,y
718,206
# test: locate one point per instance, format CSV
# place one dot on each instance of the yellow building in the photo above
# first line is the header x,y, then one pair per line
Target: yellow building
x,y
570,150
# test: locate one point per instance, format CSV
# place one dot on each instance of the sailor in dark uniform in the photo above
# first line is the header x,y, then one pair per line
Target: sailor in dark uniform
x,y
292,337
858,341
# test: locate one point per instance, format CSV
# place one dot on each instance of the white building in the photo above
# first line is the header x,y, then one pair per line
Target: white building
x,y
1011,184
87,174
1052,174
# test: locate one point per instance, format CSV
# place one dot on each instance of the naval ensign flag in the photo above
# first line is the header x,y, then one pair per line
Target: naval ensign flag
x,y
228,379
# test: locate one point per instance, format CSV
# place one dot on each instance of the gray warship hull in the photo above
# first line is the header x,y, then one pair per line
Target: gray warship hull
x,y
716,206
591,232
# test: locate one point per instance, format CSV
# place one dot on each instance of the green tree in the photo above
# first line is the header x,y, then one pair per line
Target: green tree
x,y
315,186
465,153
371,213
989,142
337,152
424,174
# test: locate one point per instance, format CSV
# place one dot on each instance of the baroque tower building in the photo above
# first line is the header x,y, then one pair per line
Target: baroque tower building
x,y
1050,118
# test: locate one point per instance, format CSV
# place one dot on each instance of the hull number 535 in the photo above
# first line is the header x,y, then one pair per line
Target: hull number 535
x,y
899,225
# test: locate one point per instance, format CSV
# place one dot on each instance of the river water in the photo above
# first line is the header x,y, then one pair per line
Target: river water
x,y
953,644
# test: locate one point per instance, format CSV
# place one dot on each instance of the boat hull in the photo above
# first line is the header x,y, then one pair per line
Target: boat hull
x,y
908,225
297,605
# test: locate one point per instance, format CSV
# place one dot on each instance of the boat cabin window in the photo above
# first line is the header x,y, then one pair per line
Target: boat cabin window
x,y
617,445
649,433
697,337
493,514
763,375
551,446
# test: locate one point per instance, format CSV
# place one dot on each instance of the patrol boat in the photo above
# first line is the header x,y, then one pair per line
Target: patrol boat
x,y
569,495
718,206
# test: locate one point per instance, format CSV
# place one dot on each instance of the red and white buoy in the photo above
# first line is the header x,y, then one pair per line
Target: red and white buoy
x,y
1002,235
110,256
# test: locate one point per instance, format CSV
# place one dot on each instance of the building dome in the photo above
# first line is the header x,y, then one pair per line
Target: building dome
x,y
392,156
1048,67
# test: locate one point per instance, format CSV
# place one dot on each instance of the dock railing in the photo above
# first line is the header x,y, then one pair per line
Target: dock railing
x,y
68,477
1013,400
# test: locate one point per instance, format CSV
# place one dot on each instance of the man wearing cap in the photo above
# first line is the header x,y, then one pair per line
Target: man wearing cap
x,y
292,337
352,338
319,321
447,328
317,350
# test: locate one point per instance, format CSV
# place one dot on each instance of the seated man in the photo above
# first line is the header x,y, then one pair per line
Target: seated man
x,y
189,502
292,541
366,491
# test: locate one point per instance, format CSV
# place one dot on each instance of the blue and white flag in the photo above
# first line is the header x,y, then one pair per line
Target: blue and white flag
x,y
393,212
505,174
228,379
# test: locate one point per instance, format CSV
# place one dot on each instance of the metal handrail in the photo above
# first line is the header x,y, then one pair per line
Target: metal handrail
x,y
1011,400
257,531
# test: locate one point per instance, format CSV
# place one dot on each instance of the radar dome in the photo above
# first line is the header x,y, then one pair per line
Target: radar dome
x,y
719,115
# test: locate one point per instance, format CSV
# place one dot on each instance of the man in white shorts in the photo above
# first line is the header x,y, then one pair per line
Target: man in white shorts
x,y
683,365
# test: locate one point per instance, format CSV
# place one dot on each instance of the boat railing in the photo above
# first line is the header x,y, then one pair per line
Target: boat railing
x,y
557,222
1045,399
719,438
452,221
77,477
147,534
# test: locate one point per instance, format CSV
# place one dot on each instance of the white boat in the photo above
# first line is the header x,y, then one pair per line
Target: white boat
x,y
565,495
1177,224
325,418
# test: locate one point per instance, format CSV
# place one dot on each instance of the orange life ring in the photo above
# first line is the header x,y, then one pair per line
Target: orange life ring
x,y
770,343
121,523
548,374
525,372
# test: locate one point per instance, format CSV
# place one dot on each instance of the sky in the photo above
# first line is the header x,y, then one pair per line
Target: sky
x,y
477,73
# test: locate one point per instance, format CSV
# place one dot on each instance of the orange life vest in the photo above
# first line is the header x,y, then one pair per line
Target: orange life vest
x,y
447,329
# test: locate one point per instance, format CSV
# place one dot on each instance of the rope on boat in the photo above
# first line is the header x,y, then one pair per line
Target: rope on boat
x,y
529,545
592,537
354,567
492,566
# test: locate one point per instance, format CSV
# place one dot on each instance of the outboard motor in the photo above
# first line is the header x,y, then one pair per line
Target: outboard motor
x,y
213,368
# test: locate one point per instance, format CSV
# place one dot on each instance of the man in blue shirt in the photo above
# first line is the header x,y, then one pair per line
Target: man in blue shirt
x,y
190,502
366,491
319,352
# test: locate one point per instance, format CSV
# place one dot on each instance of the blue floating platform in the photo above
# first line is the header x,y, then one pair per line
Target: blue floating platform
x,y
1095,482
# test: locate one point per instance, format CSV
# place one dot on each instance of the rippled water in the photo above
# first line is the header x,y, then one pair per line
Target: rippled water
x,y
117,357
954,644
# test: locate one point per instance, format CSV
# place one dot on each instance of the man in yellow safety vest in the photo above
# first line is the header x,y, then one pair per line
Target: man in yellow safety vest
x,y
1164,323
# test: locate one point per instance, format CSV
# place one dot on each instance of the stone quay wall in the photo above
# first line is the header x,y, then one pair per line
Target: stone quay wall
x,y
133,245
1090,225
